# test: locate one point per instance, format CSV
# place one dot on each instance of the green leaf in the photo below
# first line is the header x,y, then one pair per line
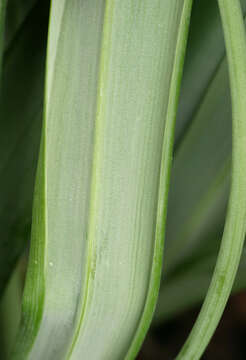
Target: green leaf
x,y
20,126
103,175
235,226
200,184
201,171
193,281
205,51
200,178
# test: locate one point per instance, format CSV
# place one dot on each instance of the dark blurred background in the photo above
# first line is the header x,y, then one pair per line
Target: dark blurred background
x,y
228,342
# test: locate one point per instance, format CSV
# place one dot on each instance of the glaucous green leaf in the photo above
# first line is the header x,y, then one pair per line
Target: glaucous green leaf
x,y
235,225
201,171
113,73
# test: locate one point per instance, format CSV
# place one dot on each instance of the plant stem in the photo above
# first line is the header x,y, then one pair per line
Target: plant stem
x,y
234,231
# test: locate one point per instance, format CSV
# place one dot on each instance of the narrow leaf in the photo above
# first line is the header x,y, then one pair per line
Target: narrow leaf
x,y
194,282
234,232
201,171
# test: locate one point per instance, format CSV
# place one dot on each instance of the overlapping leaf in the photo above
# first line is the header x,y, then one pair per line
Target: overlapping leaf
x,y
94,265
20,114
201,172
235,224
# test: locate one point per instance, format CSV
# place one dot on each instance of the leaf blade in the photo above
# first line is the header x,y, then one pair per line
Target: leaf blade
x,y
234,231
129,129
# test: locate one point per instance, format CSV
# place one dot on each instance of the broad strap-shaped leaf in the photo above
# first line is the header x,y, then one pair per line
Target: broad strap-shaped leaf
x,y
235,226
113,73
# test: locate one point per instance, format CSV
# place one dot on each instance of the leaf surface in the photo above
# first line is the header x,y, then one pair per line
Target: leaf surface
x,y
97,235
20,126
194,280
201,170
234,230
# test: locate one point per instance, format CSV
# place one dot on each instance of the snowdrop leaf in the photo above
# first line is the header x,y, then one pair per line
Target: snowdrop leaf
x,y
103,174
